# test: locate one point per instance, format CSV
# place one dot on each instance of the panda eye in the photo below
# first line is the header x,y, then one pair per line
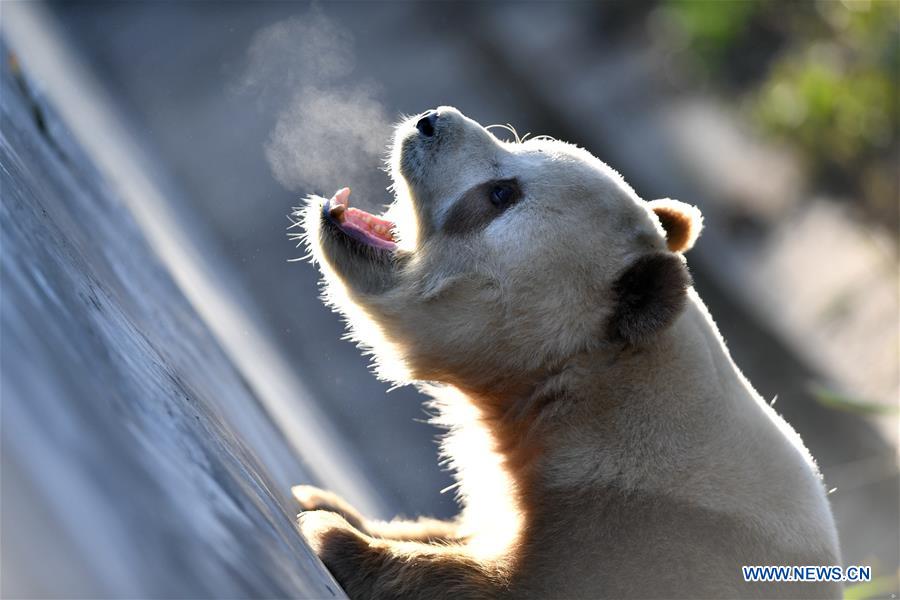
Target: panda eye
x,y
504,194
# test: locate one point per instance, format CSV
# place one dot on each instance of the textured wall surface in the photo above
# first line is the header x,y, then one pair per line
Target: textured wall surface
x,y
125,466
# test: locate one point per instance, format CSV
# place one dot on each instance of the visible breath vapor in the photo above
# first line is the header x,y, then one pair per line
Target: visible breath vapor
x,y
327,136
330,131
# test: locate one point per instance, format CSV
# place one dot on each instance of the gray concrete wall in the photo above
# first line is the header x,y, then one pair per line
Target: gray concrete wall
x,y
136,459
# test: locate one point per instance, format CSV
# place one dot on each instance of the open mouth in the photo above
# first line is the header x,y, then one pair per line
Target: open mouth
x,y
363,227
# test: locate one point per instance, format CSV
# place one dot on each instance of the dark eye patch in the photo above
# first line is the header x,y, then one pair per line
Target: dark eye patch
x,y
480,205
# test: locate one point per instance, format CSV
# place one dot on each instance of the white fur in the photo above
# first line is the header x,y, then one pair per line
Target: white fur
x,y
518,310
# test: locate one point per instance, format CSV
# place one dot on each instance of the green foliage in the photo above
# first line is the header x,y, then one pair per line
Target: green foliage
x,y
835,95
837,401
823,77
712,26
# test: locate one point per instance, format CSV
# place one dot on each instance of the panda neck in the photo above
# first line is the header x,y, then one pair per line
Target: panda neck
x,y
577,426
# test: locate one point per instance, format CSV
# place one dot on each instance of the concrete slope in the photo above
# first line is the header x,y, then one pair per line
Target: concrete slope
x,y
136,460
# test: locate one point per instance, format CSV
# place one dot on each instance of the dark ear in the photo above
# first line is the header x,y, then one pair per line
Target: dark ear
x,y
681,222
648,296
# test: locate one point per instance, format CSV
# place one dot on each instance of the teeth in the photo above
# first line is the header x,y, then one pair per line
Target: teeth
x,y
340,210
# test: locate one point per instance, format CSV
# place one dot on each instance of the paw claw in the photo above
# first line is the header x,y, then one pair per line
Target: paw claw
x,y
306,495
310,497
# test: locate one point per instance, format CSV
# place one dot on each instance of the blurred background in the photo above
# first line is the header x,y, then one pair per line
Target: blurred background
x,y
779,120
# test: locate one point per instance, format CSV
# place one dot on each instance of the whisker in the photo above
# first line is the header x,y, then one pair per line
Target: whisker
x,y
506,127
515,133
451,487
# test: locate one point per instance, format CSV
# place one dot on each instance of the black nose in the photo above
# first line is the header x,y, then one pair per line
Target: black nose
x,y
426,123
